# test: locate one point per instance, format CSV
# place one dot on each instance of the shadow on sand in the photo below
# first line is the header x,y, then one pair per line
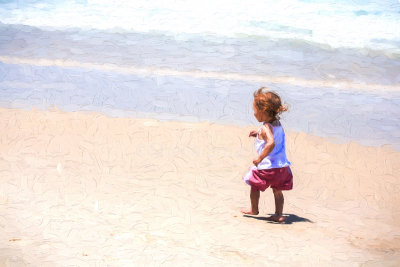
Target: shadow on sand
x,y
290,218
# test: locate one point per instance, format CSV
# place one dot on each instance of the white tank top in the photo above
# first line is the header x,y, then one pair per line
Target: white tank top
x,y
277,157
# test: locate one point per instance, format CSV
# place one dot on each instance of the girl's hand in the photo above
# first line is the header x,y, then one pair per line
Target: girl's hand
x,y
253,133
256,161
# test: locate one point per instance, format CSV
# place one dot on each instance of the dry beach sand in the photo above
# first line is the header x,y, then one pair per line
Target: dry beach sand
x,y
84,189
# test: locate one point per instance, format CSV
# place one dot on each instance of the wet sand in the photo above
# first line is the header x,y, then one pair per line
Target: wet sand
x,y
84,189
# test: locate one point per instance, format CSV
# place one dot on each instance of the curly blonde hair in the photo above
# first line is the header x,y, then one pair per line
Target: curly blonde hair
x,y
269,102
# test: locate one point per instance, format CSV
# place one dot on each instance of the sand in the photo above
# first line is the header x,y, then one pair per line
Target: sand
x,y
84,189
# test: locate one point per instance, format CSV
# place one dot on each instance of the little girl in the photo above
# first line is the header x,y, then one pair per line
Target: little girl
x,y
271,167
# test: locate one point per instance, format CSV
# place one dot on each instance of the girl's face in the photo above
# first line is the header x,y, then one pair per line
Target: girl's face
x,y
261,117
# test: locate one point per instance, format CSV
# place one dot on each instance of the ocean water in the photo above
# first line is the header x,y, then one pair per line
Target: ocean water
x,y
341,23
337,63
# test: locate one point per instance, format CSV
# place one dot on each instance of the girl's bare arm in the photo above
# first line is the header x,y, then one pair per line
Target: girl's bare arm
x,y
268,136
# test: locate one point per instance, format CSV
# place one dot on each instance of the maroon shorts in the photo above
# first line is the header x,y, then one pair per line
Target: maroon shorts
x,y
278,178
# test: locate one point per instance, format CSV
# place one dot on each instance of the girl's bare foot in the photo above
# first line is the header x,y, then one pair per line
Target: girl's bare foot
x,y
249,211
277,218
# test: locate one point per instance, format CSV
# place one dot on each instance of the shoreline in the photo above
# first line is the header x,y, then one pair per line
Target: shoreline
x,y
200,74
343,114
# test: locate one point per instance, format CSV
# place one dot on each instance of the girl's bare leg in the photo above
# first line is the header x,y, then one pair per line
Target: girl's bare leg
x,y
279,201
254,199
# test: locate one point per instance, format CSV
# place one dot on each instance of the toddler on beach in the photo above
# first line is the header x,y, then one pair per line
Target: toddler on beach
x,y
271,167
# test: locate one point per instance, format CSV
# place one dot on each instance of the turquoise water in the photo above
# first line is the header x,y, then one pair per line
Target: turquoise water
x,y
336,63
